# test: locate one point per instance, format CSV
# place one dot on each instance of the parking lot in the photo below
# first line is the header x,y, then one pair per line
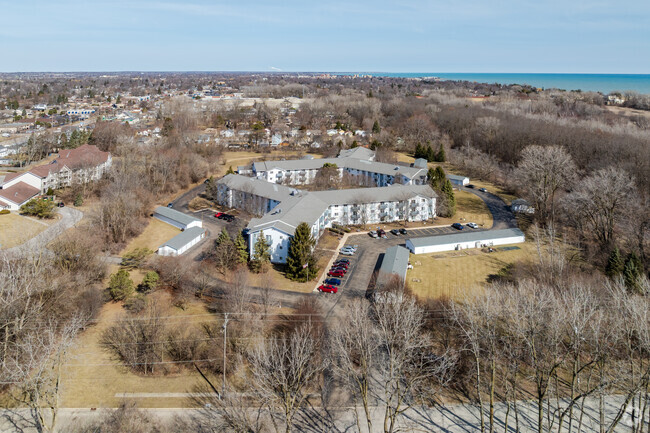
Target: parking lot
x,y
366,259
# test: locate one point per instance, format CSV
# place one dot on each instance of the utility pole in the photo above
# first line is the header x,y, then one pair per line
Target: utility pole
x,y
225,333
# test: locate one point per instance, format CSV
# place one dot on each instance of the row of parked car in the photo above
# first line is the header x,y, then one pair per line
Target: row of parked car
x,y
381,234
459,226
335,275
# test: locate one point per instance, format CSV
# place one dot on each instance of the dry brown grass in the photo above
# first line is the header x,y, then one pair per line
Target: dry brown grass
x,y
16,229
91,378
156,233
451,274
469,208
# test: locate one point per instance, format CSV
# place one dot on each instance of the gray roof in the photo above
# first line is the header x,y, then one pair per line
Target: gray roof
x,y
396,260
175,215
286,216
465,236
456,177
183,238
341,162
377,194
357,152
256,186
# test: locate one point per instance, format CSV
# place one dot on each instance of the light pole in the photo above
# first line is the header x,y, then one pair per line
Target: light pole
x,y
225,332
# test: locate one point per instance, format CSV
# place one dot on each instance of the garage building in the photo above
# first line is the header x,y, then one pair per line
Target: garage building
x,y
182,242
394,263
458,180
176,218
462,241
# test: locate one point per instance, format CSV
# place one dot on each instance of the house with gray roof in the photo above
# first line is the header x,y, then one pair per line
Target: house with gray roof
x,y
393,265
182,242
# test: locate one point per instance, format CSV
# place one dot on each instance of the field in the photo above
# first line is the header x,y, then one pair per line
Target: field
x,y
450,274
469,208
156,234
16,229
92,378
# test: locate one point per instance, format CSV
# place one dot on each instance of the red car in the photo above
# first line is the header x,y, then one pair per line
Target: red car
x,y
328,289
341,265
218,214
336,273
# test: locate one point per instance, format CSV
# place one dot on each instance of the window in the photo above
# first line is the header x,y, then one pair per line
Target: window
x,y
268,239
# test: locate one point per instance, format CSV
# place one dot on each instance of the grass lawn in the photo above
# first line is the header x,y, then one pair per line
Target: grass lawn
x,y
156,234
450,274
469,208
16,229
91,377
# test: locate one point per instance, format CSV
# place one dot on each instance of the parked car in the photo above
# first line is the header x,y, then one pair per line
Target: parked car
x,y
326,288
457,226
229,218
381,232
218,215
482,189
373,234
341,265
170,204
333,281
395,232
402,231
339,268
343,261
472,225
347,253
469,185
350,247
338,274
60,204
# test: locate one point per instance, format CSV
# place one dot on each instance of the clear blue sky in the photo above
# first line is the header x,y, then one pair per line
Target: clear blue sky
x,y
573,36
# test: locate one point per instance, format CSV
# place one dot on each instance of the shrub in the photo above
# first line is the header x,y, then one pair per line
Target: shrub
x,y
4,212
135,304
78,200
38,207
149,282
121,285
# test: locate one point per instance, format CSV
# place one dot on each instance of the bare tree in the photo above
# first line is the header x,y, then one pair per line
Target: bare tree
x,y
543,170
600,201
283,368
354,345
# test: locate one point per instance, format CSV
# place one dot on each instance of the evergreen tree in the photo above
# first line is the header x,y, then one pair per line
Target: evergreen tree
x,y
632,273
120,285
354,144
448,192
440,156
301,252
261,254
230,170
436,177
211,191
242,248
419,151
615,263
149,282
431,154
223,237
376,129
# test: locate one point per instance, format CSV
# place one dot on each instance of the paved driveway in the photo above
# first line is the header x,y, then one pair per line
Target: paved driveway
x,y
69,218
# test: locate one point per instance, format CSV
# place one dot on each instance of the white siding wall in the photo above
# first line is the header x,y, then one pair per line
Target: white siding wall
x,y
462,245
29,178
278,244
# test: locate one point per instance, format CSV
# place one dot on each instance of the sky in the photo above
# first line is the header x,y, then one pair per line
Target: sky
x,y
519,36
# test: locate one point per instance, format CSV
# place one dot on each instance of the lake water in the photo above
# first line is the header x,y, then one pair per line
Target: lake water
x,y
604,83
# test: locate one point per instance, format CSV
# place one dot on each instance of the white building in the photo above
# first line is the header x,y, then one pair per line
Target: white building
x,y
358,163
458,180
176,218
463,241
322,209
182,242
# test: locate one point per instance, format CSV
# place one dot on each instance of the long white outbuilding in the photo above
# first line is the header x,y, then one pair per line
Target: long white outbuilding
x,y
462,241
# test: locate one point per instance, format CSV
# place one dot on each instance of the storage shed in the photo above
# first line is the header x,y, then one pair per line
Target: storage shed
x,y
176,218
182,242
462,241
394,263
458,180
